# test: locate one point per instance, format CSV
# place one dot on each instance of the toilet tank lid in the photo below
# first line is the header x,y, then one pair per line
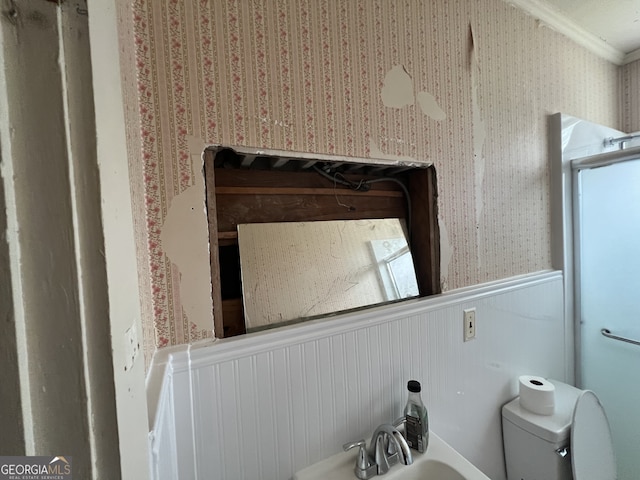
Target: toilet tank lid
x,y
551,428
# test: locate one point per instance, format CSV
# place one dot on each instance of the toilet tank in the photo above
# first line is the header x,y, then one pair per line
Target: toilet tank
x,y
533,444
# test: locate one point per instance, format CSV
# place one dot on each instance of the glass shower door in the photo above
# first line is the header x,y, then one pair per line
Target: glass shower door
x,y
607,235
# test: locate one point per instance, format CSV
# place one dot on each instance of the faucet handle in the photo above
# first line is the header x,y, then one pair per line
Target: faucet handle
x,y
363,460
364,469
349,445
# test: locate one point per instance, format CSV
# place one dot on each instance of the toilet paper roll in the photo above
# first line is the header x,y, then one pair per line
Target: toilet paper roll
x,y
537,395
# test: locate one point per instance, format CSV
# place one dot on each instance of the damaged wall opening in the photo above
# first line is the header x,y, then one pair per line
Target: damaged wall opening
x,y
247,186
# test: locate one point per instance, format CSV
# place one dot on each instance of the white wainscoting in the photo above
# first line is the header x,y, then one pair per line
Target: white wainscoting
x,y
268,404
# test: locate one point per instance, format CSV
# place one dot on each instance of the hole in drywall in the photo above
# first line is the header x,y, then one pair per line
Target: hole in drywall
x,y
244,186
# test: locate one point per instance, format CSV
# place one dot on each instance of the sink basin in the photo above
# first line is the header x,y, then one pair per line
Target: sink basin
x,y
430,469
440,462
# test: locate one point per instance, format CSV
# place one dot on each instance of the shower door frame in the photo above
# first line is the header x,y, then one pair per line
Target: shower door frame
x,y
569,138
577,165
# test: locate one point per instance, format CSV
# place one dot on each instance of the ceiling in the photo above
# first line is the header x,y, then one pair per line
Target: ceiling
x,y
616,22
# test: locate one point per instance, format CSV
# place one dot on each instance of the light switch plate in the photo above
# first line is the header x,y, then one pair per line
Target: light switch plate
x,y
469,324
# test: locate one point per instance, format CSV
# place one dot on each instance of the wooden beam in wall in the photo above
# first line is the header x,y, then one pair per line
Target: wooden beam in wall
x,y
260,196
214,260
304,191
425,233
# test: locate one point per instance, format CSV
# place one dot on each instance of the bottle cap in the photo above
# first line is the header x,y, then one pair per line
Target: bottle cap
x,y
414,386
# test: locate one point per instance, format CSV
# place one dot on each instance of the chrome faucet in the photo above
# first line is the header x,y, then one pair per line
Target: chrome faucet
x,y
386,448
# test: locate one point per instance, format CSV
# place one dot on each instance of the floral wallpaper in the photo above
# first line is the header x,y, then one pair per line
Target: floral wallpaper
x,y
465,84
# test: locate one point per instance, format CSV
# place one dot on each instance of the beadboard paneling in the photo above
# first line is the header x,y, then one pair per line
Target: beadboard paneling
x,y
268,405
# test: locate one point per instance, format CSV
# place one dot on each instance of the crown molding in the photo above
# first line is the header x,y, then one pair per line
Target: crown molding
x,y
555,20
631,56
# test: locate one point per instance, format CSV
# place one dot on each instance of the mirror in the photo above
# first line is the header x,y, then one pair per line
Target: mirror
x,y
299,270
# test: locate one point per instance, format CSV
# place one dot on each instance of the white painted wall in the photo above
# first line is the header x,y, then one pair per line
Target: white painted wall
x,y
117,220
268,404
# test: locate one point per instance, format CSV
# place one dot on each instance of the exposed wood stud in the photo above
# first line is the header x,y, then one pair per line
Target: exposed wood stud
x,y
308,164
214,261
304,191
279,163
248,160
335,166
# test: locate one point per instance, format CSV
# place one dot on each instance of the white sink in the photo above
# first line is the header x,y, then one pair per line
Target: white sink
x,y
440,462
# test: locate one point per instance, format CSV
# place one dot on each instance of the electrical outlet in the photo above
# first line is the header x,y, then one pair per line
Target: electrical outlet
x,y
469,325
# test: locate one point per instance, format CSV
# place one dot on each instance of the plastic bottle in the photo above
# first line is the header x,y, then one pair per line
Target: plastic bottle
x,y
416,419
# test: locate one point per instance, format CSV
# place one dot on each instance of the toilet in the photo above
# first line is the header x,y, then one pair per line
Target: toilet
x,y
572,443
